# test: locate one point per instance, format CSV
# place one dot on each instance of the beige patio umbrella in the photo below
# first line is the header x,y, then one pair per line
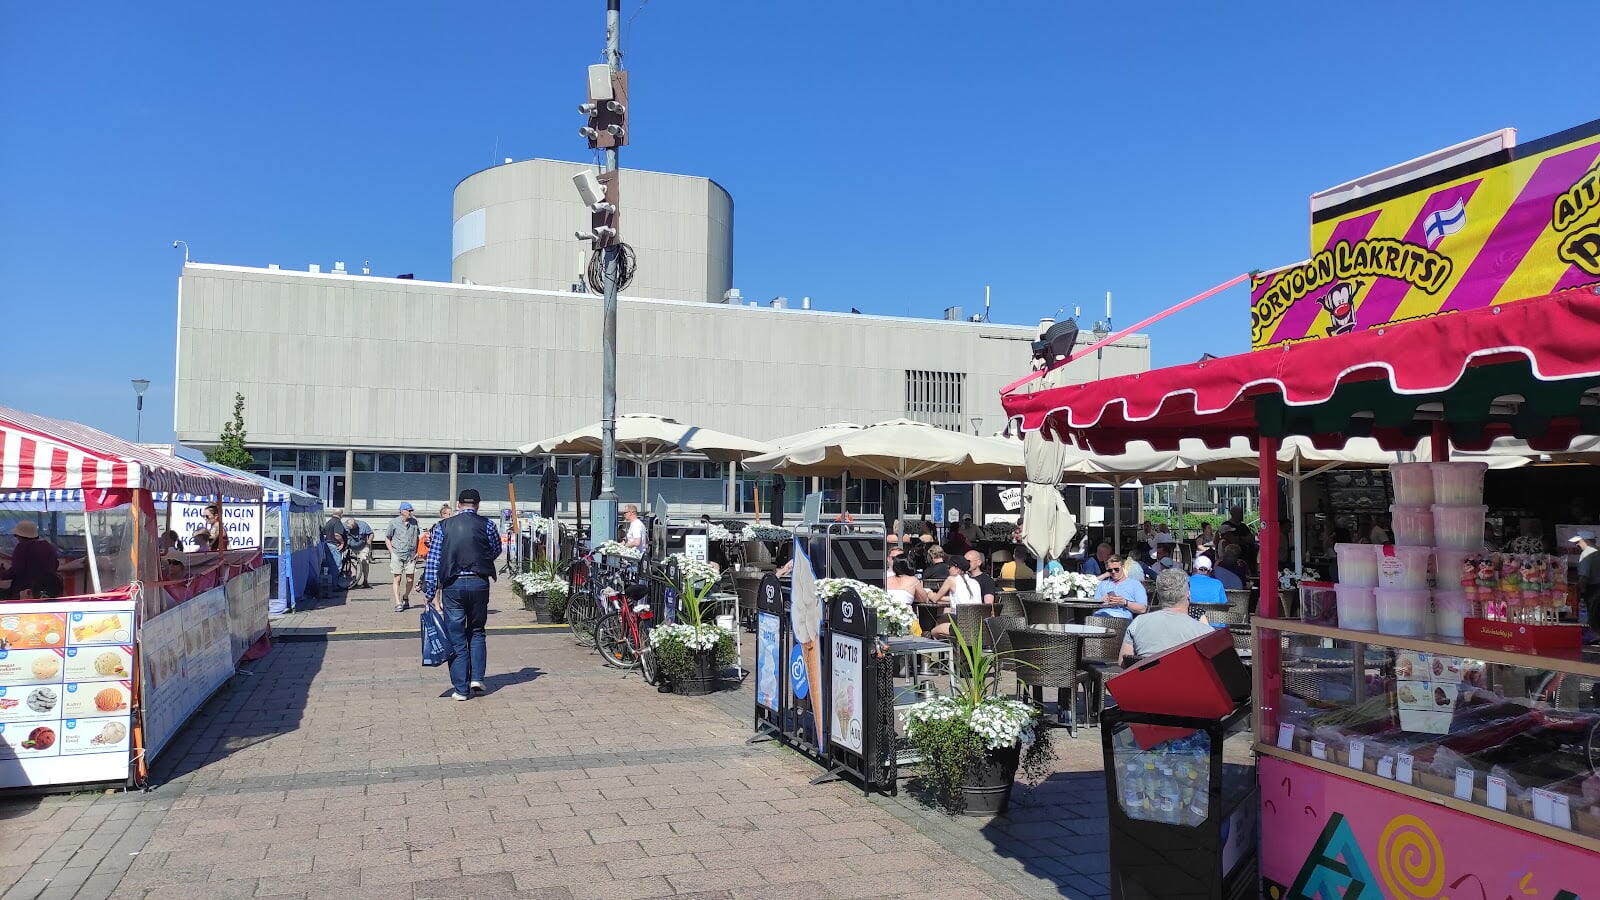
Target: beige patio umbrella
x,y
898,450
1047,524
645,438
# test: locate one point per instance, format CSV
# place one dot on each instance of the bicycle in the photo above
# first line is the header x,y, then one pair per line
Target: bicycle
x,y
582,609
622,636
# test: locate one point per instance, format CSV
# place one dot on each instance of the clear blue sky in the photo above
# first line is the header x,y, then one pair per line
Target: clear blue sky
x,y
892,156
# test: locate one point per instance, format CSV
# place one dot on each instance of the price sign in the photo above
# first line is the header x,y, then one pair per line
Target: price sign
x,y
1495,788
1403,767
1464,780
1386,767
1358,755
1286,736
1319,750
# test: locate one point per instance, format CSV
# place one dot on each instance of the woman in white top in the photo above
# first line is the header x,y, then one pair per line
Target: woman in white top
x,y
959,589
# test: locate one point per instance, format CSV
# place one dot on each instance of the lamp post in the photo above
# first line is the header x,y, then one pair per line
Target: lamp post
x,y
977,424
140,385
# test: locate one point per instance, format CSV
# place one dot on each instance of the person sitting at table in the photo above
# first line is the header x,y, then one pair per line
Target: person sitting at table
x,y
938,568
1016,572
34,562
1096,564
1168,626
1231,570
986,583
1120,594
1205,589
904,585
959,589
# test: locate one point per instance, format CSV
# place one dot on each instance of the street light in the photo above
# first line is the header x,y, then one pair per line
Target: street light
x,y
140,385
977,424
185,250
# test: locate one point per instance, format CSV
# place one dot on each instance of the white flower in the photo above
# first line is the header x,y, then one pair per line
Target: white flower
x,y
1001,723
541,583
696,573
894,613
613,548
541,525
1063,585
703,637
719,532
765,533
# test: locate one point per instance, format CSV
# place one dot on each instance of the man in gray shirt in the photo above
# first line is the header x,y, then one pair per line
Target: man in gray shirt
x,y
402,536
1169,626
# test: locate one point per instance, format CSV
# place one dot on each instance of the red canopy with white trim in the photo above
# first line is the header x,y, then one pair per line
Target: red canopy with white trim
x,y
1557,336
41,453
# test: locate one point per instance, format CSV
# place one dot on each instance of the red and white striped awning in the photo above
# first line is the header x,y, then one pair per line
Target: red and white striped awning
x,y
41,453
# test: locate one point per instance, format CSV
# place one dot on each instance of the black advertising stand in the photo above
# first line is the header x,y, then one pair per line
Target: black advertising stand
x,y
774,717
860,728
1183,823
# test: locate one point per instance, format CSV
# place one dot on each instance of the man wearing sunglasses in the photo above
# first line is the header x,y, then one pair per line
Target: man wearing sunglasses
x,y
1118,594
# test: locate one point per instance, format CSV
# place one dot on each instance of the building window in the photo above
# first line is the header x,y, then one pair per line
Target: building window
x,y
564,466
389,462
627,468
439,463
533,465
261,457
283,459
935,398
488,465
466,464
416,462
366,462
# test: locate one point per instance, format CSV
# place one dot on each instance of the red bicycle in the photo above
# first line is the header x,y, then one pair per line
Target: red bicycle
x,y
623,633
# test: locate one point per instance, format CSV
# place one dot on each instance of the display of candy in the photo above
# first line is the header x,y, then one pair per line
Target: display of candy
x,y
1413,483
1358,564
1457,483
1459,527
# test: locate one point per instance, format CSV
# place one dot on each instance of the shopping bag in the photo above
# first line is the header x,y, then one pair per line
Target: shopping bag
x,y
435,643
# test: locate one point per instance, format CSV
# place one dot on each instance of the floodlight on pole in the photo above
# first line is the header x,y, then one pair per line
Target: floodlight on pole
x,y
140,385
185,250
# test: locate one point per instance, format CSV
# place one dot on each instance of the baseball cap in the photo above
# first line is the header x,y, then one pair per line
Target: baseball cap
x,y
407,506
1202,562
470,495
1584,535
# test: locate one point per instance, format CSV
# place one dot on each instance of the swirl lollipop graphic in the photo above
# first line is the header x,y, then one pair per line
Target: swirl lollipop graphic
x,y
1410,860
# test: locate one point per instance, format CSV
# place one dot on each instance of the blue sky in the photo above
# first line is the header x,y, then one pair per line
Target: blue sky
x,y
892,156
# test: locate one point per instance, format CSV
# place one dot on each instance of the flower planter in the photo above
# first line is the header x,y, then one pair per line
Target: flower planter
x,y
703,677
987,788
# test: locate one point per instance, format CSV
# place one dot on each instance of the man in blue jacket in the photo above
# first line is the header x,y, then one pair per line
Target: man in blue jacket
x,y
461,554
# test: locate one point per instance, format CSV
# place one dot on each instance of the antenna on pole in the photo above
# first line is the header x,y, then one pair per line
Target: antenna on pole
x,y
1108,310
986,303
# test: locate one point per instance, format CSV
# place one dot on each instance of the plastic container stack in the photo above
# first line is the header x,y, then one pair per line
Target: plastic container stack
x,y
1402,567
1412,524
1358,564
1356,606
1404,611
1413,483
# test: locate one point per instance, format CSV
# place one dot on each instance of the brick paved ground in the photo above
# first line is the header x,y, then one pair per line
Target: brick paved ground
x,y
336,769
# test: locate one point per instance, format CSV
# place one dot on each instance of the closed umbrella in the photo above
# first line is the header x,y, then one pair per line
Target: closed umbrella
x,y
1047,524
549,483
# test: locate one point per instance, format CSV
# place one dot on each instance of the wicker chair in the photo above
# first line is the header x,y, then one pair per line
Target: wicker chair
x,y
996,639
1042,612
1102,658
1011,604
1045,660
1237,611
969,618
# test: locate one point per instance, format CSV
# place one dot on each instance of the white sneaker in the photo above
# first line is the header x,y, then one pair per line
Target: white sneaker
x,y
477,687
456,696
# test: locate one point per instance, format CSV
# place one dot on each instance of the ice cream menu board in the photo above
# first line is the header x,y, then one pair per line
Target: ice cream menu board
x,y
66,691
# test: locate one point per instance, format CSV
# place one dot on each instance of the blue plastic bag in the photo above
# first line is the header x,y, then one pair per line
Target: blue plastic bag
x,y
435,642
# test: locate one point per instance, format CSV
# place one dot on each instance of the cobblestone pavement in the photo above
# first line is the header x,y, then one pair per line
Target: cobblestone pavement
x,y
336,768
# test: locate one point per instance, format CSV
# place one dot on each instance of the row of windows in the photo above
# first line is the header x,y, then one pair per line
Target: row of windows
x,y
470,464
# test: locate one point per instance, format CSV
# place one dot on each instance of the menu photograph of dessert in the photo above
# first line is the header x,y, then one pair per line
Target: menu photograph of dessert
x,y
96,698
30,704
110,663
100,628
42,666
93,736
25,740
28,631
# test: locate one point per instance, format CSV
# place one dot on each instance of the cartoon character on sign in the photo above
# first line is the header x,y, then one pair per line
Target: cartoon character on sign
x,y
1339,301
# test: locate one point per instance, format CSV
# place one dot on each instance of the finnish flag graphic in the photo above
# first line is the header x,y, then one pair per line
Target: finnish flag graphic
x,y
1441,222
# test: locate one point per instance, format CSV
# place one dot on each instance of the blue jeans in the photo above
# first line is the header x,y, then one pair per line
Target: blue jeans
x,y
466,612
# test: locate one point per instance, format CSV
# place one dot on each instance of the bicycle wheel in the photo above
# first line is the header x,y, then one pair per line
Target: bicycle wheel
x,y
612,642
581,615
647,663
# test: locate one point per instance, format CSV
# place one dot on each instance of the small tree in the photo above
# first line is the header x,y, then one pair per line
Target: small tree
x,y
230,450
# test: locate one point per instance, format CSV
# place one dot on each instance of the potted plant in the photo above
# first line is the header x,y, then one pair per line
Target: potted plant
x,y
691,652
542,590
973,742
1068,586
894,615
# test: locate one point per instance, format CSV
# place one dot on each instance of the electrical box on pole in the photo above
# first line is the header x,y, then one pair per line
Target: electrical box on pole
x,y
599,192
607,109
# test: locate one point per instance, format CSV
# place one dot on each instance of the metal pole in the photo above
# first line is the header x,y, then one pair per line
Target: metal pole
x,y
603,512
1299,519
1116,516
138,419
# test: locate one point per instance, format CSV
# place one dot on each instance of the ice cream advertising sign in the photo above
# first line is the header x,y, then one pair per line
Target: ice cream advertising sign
x,y
1474,227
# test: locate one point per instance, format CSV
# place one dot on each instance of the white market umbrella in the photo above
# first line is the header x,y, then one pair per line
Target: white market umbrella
x,y
898,450
645,438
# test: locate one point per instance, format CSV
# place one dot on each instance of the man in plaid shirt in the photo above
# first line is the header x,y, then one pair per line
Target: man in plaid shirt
x,y
461,554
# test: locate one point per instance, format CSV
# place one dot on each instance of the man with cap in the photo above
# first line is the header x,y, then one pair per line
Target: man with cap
x,y
461,554
402,536
34,562
1588,576
1204,588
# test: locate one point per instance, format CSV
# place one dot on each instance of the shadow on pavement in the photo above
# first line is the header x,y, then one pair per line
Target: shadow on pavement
x,y
1057,830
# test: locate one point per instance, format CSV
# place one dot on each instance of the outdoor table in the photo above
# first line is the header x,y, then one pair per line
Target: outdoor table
x,y
929,614
1081,608
1081,631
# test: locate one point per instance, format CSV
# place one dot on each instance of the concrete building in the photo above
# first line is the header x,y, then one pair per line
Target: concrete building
x,y
415,387
514,224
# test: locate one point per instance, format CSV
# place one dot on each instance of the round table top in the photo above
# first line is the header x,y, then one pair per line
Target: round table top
x,y
1079,630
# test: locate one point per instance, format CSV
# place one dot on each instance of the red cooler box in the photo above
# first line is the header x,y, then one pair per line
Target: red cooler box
x,y
1203,679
